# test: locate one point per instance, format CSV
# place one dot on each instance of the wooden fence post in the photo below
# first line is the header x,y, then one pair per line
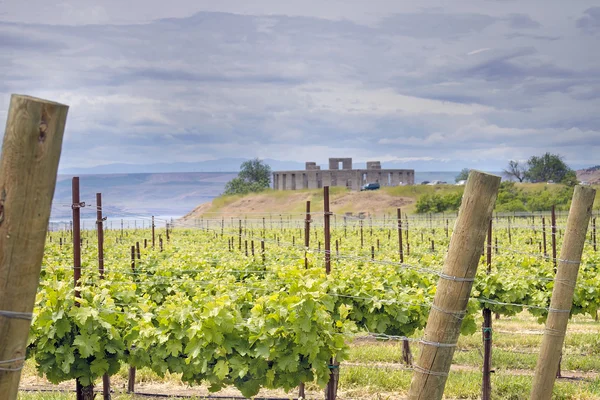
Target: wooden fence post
x,y
400,247
553,216
544,236
100,235
326,228
454,287
406,234
76,208
153,233
30,156
562,293
307,221
362,242
486,386
132,370
594,233
331,390
406,352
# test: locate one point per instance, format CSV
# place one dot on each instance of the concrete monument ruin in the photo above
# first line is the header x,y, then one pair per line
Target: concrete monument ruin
x,y
340,173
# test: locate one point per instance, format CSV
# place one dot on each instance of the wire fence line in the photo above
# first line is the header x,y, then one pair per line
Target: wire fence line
x,y
416,220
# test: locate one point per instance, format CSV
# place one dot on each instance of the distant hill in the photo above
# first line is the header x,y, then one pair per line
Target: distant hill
x,y
219,165
233,164
590,175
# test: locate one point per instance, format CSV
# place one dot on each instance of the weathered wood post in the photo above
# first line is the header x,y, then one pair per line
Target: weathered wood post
x,y
406,234
132,370
30,156
76,209
307,221
100,235
553,216
400,247
486,386
362,242
544,236
562,293
153,233
406,352
454,287
331,390
594,233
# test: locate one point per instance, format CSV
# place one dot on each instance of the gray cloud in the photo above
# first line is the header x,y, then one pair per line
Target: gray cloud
x,y
519,35
10,41
475,84
503,69
522,21
436,25
590,22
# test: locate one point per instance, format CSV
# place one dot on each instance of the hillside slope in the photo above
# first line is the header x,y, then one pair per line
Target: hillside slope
x,y
274,202
589,175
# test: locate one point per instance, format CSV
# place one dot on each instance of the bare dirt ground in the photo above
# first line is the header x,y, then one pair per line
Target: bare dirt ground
x,y
370,202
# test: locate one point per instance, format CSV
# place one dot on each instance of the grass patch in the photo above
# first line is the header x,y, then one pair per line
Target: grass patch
x,y
45,396
460,385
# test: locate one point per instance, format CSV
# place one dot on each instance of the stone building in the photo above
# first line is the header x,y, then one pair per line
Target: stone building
x,y
340,173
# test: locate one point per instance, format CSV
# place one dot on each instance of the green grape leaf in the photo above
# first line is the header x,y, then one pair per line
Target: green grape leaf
x,y
221,369
87,345
99,366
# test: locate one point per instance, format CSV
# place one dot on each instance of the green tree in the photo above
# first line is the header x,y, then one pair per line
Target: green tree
x,y
515,170
463,175
570,178
549,167
254,176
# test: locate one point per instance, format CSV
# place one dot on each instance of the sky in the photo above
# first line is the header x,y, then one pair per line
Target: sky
x,y
457,84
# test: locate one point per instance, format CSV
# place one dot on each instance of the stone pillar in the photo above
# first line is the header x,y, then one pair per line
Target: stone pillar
x,y
395,178
312,179
356,185
327,178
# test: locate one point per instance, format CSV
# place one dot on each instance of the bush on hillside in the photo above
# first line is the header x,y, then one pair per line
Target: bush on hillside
x,y
510,199
435,203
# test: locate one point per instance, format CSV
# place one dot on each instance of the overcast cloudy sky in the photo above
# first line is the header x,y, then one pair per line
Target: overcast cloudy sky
x,y
471,83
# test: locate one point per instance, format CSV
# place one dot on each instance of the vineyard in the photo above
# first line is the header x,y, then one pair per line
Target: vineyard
x,y
248,303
